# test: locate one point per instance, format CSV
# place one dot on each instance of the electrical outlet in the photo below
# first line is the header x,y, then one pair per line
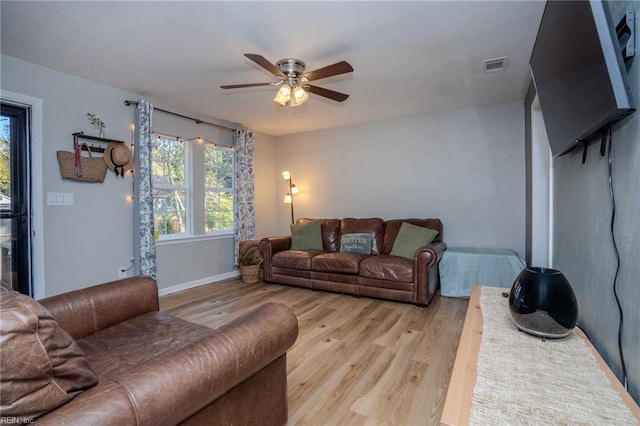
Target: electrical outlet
x,y
122,272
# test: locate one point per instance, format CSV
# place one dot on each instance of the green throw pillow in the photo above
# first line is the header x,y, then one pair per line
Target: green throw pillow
x,y
356,243
410,238
306,236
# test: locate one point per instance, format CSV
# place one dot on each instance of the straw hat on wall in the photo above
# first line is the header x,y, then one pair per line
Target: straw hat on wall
x,y
118,158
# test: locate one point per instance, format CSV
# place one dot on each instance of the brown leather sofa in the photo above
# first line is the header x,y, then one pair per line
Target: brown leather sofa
x,y
378,274
151,368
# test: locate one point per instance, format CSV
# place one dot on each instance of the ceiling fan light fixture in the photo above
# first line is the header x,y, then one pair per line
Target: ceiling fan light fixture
x,y
300,95
293,87
283,95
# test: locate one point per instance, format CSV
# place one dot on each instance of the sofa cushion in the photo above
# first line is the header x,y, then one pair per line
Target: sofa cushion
x,y
346,263
330,232
306,236
114,351
410,238
356,243
392,227
389,268
294,259
41,366
373,226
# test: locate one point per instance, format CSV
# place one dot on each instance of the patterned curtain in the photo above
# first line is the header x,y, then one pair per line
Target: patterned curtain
x,y
145,245
244,214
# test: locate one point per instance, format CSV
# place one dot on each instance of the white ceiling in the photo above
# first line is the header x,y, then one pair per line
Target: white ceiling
x,y
409,57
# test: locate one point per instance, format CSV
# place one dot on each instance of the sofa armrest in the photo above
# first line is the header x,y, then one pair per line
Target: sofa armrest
x,y
439,247
180,382
270,246
85,311
426,271
429,255
275,244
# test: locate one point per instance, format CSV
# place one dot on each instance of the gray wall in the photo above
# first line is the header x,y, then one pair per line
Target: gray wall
x,y
582,244
465,167
84,244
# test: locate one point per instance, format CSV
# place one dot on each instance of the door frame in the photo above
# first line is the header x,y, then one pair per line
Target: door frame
x,y
539,185
35,169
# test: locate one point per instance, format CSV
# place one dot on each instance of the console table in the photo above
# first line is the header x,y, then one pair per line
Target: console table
x,y
462,391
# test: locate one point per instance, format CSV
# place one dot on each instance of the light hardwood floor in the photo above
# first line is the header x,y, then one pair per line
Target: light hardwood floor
x,y
357,361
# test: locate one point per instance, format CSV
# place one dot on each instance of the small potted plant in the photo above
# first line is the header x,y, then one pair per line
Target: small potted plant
x,y
249,263
97,123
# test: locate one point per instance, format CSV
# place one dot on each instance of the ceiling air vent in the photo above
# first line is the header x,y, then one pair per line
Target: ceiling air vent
x,y
494,65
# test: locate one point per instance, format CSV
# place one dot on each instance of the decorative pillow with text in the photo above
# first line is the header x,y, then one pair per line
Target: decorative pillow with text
x,y
356,243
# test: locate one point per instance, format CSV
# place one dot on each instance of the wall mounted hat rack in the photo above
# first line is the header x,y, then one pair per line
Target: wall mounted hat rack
x,y
95,140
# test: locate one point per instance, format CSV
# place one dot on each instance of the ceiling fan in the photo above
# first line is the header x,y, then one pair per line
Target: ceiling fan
x,y
294,82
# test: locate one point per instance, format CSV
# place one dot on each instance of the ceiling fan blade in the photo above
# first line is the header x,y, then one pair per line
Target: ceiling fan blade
x,y
264,63
331,94
338,68
238,86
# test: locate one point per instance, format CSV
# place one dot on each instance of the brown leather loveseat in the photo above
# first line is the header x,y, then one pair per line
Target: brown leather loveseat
x,y
411,276
119,361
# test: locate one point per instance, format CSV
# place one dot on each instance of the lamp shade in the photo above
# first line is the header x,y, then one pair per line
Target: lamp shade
x,y
286,175
287,198
283,95
542,303
294,189
299,96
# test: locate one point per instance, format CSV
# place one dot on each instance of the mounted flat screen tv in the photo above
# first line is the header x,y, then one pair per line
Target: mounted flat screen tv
x,y
578,73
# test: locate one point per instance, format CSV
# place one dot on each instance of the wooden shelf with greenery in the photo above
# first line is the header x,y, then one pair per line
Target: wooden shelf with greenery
x,y
98,139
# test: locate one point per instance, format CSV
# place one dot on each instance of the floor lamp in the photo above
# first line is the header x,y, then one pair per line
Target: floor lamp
x,y
293,189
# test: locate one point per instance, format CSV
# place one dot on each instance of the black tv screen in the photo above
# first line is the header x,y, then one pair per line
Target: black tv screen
x,y
578,73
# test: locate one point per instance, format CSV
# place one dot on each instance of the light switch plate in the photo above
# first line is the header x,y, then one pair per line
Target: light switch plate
x,y
68,198
54,198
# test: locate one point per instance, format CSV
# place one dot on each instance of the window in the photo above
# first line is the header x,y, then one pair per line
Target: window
x,y
218,190
192,187
169,186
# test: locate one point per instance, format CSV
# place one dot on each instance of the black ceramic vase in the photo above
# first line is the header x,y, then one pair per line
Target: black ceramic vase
x,y
542,303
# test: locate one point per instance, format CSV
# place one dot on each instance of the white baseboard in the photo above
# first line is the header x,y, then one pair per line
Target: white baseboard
x,y
197,283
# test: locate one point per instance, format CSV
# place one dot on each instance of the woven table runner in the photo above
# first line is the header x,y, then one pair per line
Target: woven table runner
x,y
523,380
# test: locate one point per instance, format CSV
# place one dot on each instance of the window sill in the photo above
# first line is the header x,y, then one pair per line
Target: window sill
x,y
168,241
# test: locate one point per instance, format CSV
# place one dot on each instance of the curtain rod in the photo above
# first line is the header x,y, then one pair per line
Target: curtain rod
x,y
200,139
197,120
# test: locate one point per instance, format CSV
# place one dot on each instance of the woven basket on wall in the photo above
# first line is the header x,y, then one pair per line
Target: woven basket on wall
x,y
89,169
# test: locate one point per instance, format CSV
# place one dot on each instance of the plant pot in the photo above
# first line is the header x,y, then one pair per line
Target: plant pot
x,y
250,273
